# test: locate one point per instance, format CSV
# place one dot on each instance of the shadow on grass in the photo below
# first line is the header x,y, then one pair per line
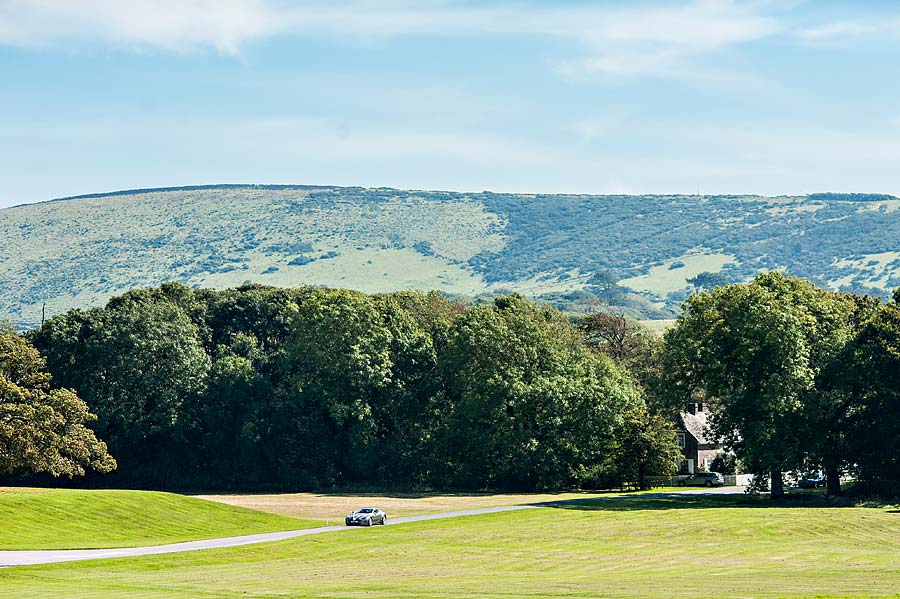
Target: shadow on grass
x,y
619,500
408,494
676,501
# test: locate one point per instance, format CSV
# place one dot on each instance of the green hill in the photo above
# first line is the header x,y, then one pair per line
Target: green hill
x,y
568,249
92,519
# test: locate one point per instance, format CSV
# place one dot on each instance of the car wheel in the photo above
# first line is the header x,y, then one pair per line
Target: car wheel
x,y
384,521
682,483
708,483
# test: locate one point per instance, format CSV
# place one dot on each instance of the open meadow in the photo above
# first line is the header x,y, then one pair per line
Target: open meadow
x,y
687,546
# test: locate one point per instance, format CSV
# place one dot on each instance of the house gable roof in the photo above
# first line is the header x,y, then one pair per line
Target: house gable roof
x,y
695,424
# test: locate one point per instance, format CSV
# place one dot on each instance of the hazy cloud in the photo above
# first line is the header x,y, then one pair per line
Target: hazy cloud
x,y
640,39
176,25
843,31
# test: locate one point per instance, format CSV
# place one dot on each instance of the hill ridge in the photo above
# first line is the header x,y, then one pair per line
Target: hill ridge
x,y
575,250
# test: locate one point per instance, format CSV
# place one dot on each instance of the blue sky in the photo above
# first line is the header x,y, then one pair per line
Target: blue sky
x,y
713,96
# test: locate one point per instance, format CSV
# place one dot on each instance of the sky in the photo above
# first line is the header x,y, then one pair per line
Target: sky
x,y
708,96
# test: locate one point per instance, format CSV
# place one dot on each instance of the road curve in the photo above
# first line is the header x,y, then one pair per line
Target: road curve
x,y
30,558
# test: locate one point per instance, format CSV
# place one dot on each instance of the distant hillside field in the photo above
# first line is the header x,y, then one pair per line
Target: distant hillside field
x,y
564,248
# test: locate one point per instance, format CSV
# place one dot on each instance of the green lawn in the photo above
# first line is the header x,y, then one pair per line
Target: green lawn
x,y
673,548
75,519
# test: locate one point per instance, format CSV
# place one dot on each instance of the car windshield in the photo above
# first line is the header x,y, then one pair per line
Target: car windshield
x,y
365,510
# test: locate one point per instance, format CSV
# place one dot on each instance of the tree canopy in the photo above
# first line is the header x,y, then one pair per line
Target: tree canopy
x,y
754,352
874,422
266,388
42,429
260,387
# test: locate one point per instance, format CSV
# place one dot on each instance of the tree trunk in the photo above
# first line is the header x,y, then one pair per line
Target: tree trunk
x,y
777,484
832,479
642,477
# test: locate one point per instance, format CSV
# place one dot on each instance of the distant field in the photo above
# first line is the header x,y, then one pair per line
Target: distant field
x,y
658,326
689,547
333,506
674,273
76,519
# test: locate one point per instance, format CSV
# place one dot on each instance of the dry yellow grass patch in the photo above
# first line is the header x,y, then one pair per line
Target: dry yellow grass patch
x,y
333,506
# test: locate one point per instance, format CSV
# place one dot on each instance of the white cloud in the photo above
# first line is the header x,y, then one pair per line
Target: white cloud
x,y
838,29
843,31
647,39
171,25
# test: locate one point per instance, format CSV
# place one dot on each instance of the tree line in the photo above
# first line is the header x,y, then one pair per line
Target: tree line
x,y
266,388
258,387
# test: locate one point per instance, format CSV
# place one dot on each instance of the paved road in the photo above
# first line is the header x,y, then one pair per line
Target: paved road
x,y
26,558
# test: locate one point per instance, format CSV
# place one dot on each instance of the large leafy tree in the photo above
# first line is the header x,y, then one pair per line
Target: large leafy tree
x,y
408,408
42,429
832,406
629,344
528,405
337,362
755,352
644,447
263,313
233,416
874,435
141,367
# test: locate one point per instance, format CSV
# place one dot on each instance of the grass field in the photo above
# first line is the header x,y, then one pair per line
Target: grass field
x,y
76,519
665,279
723,547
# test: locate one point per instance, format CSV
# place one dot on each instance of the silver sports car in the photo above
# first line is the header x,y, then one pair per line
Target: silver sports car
x,y
366,516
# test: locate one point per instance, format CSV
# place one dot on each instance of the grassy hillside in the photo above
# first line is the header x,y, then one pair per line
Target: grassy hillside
x,y
567,249
74,519
639,548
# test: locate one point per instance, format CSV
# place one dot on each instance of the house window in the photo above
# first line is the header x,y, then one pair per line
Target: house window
x,y
680,440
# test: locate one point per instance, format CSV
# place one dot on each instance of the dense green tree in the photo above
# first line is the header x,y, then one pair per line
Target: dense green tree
x,y
874,436
432,312
709,280
645,447
830,408
338,360
263,313
629,344
754,352
233,415
42,429
408,408
528,405
140,366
